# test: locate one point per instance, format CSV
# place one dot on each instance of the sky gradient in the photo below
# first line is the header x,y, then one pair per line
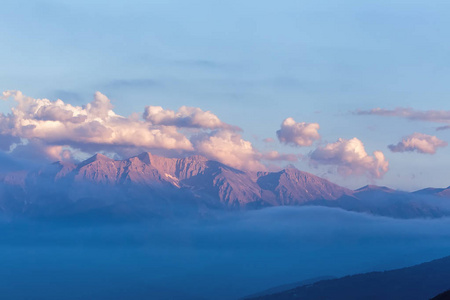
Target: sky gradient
x,y
357,92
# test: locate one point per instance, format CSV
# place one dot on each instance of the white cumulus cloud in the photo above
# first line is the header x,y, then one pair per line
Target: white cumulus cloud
x,y
351,158
419,142
94,126
54,129
298,133
229,148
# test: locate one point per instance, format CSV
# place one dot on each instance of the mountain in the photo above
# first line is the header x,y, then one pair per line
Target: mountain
x,y
285,287
232,187
442,296
419,282
155,184
380,200
149,185
375,189
440,192
291,187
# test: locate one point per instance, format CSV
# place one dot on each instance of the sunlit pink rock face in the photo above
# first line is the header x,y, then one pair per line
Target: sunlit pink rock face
x,y
150,183
227,185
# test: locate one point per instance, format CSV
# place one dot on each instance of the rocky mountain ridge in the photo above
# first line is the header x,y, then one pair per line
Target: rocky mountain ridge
x,y
149,179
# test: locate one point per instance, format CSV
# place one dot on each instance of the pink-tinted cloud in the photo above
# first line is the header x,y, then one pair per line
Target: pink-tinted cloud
x,y
443,128
93,126
268,140
229,148
55,129
418,142
351,158
436,116
192,117
298,133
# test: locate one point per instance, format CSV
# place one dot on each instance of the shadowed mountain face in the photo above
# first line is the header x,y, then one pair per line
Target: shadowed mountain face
x,y
419,282
152,185
384,201
441,192
285,287
442,296
291,187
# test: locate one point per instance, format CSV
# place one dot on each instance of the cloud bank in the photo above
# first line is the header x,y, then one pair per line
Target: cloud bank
x,y
418,142
40,128
298,133
93,127
351,158
37,128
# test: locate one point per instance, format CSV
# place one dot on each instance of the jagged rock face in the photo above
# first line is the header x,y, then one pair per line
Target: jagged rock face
x,y
211,180
232,187
152,183
291,186
144,169
99,169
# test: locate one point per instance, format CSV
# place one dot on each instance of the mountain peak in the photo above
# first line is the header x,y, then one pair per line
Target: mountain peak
x,y
100,156
197,158
213,184
291,170
96,157
145,157
372,187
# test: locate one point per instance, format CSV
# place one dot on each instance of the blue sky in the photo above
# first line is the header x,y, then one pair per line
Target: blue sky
x,y
252,64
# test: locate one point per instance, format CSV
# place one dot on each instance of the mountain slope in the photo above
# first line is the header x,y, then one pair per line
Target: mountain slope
x,y
291,186
211,180
152,184
417,282
440,192
443,296
379,200
285,287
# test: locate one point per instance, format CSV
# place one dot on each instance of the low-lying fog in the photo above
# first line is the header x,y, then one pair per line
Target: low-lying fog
x,y
232,256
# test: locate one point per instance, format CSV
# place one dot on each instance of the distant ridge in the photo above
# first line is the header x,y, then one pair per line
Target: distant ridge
x,y
442,296
418,282
369,187
154,184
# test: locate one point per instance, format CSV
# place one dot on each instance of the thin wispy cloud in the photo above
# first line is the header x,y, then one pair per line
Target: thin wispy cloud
x,y
436,116
443,128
